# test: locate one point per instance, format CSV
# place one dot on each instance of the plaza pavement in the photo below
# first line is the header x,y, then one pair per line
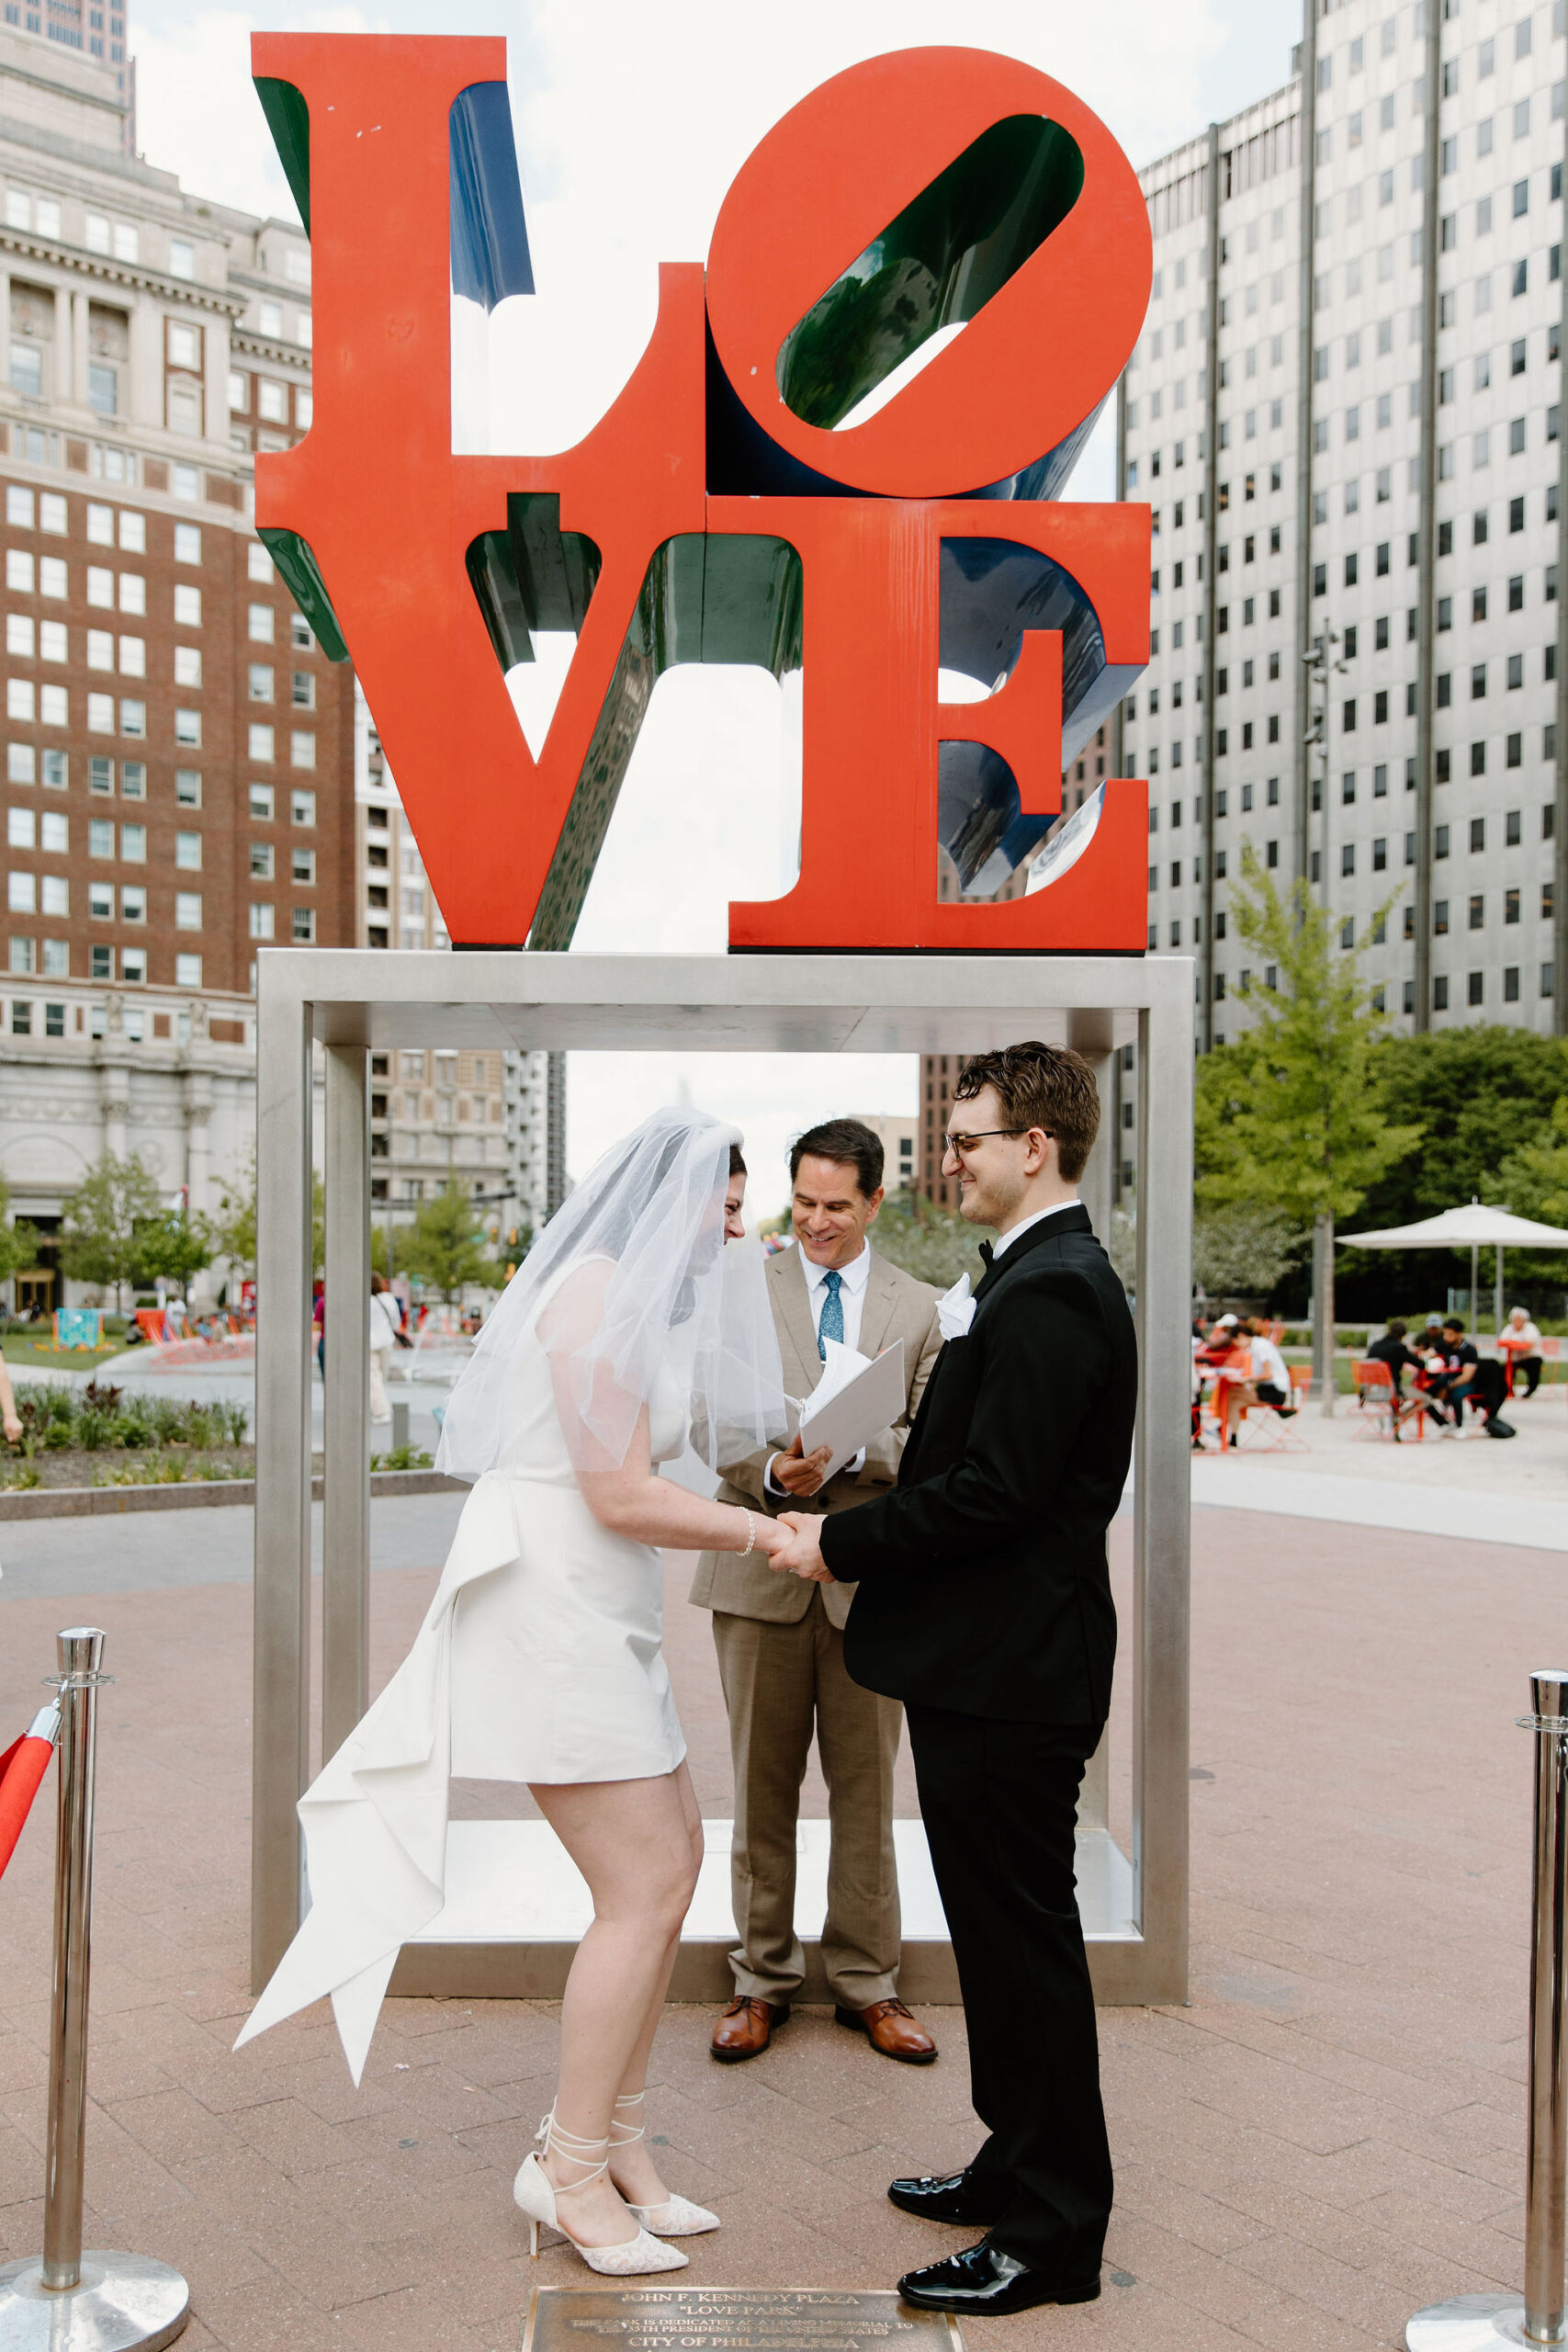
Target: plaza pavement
x,y
1331,2134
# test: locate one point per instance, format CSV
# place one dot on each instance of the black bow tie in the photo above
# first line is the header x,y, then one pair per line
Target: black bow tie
x,y
986,1252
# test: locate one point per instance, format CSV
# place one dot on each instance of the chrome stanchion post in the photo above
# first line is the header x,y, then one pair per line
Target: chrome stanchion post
x,y
72,2302
1481,2323
81,1656
1545,2319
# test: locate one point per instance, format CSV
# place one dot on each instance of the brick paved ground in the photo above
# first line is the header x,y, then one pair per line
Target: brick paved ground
x,y
1331,2134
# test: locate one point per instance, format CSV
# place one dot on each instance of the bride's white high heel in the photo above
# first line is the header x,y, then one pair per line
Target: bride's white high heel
x,y
538,2196
677,2217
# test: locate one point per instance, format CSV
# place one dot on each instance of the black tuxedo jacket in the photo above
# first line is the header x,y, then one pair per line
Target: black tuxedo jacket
x,y
983,1585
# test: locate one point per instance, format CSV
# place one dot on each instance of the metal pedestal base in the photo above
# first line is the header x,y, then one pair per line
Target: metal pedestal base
x,y
1472,2323
125,2302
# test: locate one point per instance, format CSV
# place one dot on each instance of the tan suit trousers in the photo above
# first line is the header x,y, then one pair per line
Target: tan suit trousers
x,y
781,1681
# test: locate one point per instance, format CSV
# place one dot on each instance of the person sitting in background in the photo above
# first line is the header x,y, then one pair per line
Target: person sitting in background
x,y
1220,1342
1519,1342
1228,1357
1270,1374
1392,1350
1469,1380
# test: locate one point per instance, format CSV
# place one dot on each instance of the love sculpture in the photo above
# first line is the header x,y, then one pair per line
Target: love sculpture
x,y
729,507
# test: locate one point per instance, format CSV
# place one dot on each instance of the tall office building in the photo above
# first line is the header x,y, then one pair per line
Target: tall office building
x,y
94,31
939,1073
177,753
1345,412
432,1115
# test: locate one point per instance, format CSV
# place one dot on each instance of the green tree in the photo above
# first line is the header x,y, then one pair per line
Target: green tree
x,y
233,1229
446,1244
1533,1181
1244,1247
100,1239
19,1242
1533,1178
235,1226
930,1243
1288,1118
175,1246
1478,1094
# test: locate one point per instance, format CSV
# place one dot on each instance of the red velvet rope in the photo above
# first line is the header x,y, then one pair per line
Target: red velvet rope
x,y
22,1768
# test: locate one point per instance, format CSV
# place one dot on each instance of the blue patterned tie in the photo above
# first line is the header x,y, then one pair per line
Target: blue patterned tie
x,y
831,1327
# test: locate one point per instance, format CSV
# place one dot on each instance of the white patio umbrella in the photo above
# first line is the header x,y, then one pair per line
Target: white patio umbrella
x,y
1475,1227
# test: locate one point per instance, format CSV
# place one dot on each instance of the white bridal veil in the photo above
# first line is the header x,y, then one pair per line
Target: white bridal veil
x,y
630,1289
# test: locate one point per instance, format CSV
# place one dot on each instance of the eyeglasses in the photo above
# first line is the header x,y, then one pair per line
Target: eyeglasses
x,y
960,1146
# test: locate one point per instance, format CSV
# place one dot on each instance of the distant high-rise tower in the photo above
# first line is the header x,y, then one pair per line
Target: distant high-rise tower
x,y
97,31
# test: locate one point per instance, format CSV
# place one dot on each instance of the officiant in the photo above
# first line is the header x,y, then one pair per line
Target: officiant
x,y
781,1639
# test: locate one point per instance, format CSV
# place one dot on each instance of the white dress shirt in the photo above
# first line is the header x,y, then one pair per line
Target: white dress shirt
x,y
852,1280
1006,1240
851,1299
1268,1364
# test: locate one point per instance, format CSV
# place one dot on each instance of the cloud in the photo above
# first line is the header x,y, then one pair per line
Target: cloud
x,y
196,111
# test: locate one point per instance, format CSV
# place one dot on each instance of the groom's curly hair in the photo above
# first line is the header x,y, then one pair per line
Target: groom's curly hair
x,y
1041,1086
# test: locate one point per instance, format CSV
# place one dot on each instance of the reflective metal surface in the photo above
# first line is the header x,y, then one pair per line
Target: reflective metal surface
x,y
280,1728
125,2303
1471,2322
1545,2319
79,1652
1467,2324
345,1516
781,1003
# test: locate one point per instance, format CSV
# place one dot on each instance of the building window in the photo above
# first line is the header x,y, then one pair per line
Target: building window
x,y
304,925
187,788
261,624
187,911
188,728
261,862
302,806
261,920
187,606
260,743
261,804
301,748
187,971
260,682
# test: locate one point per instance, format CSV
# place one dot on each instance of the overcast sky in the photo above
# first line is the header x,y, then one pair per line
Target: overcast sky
x,y
631,121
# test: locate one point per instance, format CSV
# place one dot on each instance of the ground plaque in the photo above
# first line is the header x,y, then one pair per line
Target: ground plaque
x,y
732,2319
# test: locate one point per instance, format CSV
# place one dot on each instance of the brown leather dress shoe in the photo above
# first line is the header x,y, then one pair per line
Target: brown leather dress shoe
x,y
746,2028
888,2026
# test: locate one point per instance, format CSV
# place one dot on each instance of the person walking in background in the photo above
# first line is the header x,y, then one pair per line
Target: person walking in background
x,y
781,1641
1519,1342
384,1327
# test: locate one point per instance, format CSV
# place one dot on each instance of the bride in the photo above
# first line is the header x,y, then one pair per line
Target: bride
x,y
627,1330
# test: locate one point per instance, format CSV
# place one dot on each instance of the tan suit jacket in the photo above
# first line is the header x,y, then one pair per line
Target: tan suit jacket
x,y
896,1306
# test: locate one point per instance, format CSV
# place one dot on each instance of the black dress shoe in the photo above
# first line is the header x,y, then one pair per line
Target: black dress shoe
x,y
952,2196
983,2278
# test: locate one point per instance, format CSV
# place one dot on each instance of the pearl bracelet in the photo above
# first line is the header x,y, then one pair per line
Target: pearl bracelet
x,y
751,1534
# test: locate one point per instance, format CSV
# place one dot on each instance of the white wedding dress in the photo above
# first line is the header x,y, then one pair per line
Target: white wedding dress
x,y
538,1660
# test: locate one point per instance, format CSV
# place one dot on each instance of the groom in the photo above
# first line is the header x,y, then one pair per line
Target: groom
x,y
985,1604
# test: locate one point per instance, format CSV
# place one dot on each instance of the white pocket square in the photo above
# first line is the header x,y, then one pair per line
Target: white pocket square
x,y
955,1310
